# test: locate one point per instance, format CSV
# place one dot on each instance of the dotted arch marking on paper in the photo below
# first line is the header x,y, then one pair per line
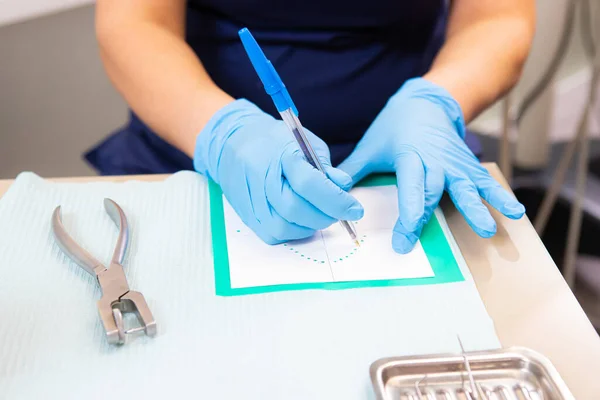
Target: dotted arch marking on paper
x,y
306,257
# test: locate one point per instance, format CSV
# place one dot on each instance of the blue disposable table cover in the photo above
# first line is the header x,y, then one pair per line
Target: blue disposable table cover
x,y
314,344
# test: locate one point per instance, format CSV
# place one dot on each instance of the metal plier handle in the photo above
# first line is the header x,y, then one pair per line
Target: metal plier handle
x,y
116,297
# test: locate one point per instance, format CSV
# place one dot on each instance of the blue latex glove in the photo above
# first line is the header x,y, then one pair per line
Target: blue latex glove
x,y
419,135
265,177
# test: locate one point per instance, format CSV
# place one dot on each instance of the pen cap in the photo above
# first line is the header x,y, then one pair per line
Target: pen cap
x,y
266,72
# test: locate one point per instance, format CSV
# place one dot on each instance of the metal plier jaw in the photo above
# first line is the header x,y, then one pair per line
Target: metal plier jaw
x,y
116,298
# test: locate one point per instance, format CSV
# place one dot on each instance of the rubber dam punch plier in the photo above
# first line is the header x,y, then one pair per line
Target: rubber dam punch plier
x,y
117,298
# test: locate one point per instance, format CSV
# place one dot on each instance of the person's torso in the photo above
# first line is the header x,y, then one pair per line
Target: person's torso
x,y
340,59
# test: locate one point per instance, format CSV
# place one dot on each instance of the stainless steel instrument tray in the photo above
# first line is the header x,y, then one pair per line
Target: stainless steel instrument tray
x,y
514,373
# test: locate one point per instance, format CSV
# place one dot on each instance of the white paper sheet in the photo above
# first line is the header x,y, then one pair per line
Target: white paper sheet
x,y
328,256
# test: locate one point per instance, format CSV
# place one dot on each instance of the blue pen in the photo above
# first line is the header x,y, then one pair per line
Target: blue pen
x,y
285,106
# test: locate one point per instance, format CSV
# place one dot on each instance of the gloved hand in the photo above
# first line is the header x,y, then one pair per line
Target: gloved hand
x,y
265,177
419,135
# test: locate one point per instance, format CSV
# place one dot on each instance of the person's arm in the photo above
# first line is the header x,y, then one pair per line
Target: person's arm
x,y
487,44
247,152
144,52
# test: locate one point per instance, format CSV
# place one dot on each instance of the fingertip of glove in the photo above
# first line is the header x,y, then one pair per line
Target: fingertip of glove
x,y
487,232
340,178
481,221
266,238
402,244
270,241
514,210
356,212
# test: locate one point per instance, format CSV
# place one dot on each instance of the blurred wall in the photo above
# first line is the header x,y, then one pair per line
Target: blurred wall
x,y
55,99
571,81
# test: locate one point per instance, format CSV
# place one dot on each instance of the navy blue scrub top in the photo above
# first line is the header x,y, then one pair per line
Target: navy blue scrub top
x,y
340,59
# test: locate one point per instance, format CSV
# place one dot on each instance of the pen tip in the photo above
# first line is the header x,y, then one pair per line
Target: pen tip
x,y
357,243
